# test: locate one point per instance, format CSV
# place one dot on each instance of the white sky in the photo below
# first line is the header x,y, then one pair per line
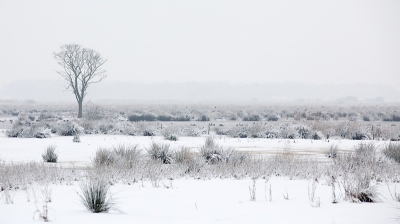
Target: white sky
x,y
209,40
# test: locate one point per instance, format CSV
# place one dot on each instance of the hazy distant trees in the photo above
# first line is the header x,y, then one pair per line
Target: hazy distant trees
x,y
81,67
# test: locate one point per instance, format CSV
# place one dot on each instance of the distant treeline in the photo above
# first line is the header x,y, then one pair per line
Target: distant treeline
x,y
152,117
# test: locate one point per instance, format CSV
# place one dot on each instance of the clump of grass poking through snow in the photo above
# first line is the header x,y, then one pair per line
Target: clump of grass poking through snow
x,y
392,151
161,152
50,155
96,196
214,153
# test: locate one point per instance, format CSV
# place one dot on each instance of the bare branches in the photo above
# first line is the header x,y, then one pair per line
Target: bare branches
x,y
81,67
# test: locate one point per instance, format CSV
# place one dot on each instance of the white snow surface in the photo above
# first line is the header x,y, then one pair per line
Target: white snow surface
x,y
189,200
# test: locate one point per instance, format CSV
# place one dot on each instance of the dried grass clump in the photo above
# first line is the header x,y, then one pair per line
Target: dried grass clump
x,y
96,196
392,151
50,154
119,156
214,153
161,152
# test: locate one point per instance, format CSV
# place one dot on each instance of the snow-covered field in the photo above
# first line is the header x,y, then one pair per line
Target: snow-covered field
x,y
188,200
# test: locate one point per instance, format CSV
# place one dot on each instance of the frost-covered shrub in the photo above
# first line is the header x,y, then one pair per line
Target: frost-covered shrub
x,y
50,154
271,132
238,131
360,136
272,117
142,117
165,117
25,128
255,130
392,117
171,133
161,152
68,128
45,115
119,156
287,131
392,151
93,112
103,157
221,131
303,131
252,117
203,118
106,127
357,187
147,129
366,152
317,135
214,153
192,131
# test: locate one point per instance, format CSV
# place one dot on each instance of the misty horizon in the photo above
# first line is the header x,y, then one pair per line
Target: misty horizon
x,y
47,90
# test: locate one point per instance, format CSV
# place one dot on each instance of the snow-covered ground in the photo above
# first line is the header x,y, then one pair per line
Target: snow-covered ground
x,y
189,200
30,149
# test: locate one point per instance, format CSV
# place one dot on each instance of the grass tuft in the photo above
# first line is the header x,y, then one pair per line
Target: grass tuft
x,y
50,155
96,196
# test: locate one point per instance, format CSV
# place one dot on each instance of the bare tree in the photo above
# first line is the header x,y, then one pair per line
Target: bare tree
x,y
81,67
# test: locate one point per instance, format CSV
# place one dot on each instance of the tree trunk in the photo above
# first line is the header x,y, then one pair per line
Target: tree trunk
x,y
80,108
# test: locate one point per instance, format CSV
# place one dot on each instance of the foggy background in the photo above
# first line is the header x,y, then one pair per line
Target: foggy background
x,y
207,50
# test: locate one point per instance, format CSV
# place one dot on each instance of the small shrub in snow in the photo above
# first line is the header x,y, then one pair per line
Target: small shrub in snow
x,y
50,154
214,153
366,152
184,157
357,188
68,128
392,151
96,196
161,152
171,133
94,112
120,156
317,135
287,131
304,132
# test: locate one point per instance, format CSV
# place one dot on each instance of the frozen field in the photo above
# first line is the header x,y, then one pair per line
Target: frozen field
x,y
189,200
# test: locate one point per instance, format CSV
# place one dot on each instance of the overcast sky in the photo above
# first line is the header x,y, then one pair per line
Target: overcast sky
x,y
209,40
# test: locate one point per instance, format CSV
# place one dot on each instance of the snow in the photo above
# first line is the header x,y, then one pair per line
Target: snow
x,y
191,200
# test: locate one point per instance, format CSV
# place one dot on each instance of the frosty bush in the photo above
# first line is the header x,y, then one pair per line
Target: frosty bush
x,y
304,132
366,152
96,196
214,153
171,133
161,152
392,151
238,132
147,128
68,128
317,135
120,156
357,187
25,128
142,117
50,154
94,112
